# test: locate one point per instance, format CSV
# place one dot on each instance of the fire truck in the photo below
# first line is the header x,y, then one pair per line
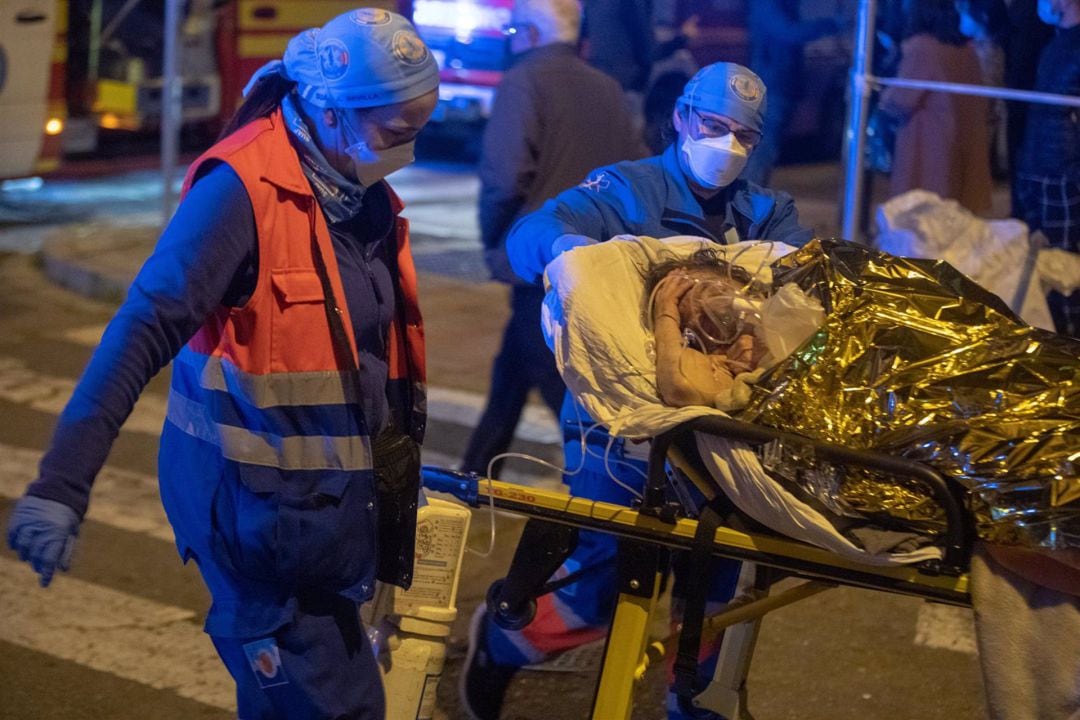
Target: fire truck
x,y
88,66
222,42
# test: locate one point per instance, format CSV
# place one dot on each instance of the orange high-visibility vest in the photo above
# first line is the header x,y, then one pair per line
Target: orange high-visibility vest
x,y
263,383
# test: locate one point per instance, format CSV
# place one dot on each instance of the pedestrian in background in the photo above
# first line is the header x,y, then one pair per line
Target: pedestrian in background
x,y
986,23
554,119
618,39
1049,173
942,138
778,36
1024,41
284,292
673,66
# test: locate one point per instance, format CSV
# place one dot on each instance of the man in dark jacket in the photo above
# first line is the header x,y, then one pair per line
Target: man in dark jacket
x,y
619,36
1048,182
1023,43
777,37
554,119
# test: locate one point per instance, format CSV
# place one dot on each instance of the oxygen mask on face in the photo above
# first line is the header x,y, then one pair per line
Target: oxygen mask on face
x,y
716,311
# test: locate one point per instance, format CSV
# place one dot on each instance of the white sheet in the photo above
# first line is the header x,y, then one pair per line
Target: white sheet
x,y
997,254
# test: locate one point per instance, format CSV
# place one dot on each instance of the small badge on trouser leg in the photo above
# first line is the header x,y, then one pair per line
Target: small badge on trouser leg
x,y
265,661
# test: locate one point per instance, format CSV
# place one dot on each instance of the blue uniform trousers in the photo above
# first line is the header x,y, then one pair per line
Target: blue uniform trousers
x,y
580,612
319,666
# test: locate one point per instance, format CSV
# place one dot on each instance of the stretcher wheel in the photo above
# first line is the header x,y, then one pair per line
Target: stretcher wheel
x,y
506,616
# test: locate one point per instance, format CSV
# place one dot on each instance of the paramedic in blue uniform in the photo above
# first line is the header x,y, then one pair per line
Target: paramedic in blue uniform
x,y
284,293
692,188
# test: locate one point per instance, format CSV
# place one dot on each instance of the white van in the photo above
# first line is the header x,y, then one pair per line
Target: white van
x,y
31,88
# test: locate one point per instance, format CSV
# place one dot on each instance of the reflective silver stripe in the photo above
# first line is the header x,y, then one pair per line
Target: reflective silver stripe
x,y
294,388
295,452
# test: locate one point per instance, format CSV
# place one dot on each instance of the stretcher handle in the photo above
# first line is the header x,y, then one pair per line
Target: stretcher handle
x,y
957,536
464,486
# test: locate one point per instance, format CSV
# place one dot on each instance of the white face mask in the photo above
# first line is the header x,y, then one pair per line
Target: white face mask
x,y
715,162
371,166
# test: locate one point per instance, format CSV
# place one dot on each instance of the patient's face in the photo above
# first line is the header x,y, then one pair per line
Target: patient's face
x,y
706,308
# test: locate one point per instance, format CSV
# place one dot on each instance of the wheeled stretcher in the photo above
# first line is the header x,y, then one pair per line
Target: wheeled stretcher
x,y
926,412
658,525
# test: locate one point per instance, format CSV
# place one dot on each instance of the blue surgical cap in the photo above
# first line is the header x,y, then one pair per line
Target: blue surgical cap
x,y
364,58
727,89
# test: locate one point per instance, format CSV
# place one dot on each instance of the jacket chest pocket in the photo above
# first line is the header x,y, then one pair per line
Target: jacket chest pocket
x,y
300,320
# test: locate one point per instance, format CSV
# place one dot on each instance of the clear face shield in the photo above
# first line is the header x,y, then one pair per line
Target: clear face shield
x,y
370,165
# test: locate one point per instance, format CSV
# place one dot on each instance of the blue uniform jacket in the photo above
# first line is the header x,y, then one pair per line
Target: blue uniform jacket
x,y
647,197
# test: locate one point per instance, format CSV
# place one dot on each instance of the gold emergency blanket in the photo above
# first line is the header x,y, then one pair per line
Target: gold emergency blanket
x,y
918,361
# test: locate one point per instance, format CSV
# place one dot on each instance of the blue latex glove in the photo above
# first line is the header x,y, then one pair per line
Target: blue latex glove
x,y
43,532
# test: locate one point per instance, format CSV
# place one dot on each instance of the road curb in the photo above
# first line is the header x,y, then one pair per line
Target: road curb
x,y
80,279
95,260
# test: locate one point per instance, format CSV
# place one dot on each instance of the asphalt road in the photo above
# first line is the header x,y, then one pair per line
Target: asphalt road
x,y
119,637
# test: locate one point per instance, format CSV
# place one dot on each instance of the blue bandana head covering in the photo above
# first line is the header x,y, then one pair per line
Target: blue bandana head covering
x,y
364,58
727,89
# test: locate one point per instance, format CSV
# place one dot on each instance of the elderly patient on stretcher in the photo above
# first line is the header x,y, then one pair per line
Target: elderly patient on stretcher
x,y
707,329
838,343
850,346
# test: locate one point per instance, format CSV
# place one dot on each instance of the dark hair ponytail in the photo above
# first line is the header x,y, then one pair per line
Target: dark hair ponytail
x,y
263,99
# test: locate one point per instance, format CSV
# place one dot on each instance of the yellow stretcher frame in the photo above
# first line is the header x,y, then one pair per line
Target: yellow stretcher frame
x,y
793,556
629,652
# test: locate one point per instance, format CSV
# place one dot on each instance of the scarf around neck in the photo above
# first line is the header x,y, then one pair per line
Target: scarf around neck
x,y
339,197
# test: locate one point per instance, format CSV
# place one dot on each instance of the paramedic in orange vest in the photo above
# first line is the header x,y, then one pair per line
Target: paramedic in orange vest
x,y
284,292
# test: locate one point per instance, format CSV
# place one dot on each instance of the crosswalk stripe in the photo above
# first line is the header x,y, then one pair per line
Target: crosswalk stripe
x,y
945,627
22,385
122,499
123,635
464,408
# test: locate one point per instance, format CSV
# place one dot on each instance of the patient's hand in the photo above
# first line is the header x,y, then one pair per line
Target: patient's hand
x,y
684,376
668,294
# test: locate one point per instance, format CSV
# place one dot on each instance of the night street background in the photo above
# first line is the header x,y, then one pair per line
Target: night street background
x,y
120,636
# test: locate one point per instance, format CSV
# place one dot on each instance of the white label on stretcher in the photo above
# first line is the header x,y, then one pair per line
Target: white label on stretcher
x,y
438,544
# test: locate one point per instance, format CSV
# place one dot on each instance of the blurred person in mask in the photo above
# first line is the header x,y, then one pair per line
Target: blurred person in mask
x,y
777,36
1048,179
942,139
284,292
554,119
692,188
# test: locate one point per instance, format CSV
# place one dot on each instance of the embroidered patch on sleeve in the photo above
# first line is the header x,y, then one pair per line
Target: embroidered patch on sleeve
x,y
265,661
596,182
